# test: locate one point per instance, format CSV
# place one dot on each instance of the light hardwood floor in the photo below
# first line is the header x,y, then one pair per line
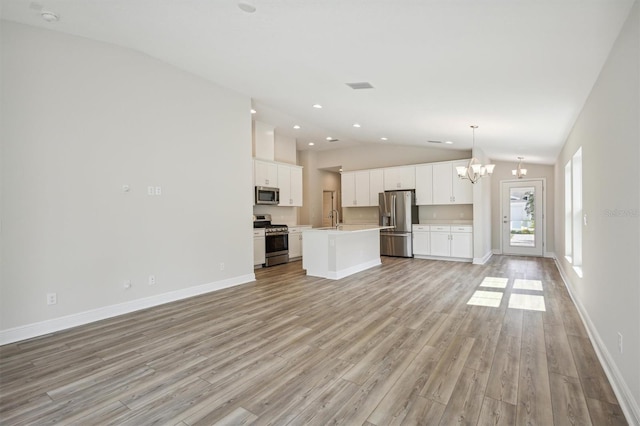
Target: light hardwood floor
x,y
396,344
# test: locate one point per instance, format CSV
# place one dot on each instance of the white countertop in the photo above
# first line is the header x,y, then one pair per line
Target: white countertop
x,y
349,228
446,222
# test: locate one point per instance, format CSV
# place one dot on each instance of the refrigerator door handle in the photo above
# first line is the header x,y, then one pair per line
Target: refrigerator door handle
x,y
393,210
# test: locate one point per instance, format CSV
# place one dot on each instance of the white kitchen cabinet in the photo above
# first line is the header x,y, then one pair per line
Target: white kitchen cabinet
x,y
397,178
461,241
355,189
462,189
440,237
376,185
421,243
455,241
265,173
258,247
448,188
290,184
424,184
295,243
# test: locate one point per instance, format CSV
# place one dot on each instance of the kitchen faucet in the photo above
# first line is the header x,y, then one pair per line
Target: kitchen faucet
x,y
337,217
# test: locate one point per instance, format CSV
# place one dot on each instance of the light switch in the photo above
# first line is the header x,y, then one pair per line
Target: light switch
x,y
125,188
158,190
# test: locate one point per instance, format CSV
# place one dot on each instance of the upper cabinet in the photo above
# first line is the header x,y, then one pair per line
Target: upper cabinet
x,y
396,178
424,184
448,188
286,177
355,189
376,185
265,173
290,184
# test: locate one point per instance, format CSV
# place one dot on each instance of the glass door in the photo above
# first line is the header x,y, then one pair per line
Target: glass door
x,y
522,218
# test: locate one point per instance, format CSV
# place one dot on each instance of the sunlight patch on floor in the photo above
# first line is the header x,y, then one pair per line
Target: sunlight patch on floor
x,y
527,302
521,284
486,298
494,282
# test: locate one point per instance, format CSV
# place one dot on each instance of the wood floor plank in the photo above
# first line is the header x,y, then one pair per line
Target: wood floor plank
x,y
592,376
504,376
441,383
423,412
534,393
497,413
559,355
466,400
395,344
568,401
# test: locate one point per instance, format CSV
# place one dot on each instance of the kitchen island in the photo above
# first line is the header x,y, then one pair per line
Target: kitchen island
x,y
341,251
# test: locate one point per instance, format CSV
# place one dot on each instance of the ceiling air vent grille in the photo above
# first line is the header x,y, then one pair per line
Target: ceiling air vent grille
x,y
361,85
434,141
333,140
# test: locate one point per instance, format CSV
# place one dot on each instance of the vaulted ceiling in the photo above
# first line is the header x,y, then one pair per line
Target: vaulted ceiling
x,y
520,70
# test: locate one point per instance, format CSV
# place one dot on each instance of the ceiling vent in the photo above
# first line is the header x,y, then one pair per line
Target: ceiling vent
x,y
434,141
332,140
359,86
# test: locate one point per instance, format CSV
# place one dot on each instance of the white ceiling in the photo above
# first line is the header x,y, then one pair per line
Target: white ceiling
x,y
519,69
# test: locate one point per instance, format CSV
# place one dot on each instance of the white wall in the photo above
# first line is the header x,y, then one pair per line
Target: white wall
x,y
80,120
372,157
482,213
608,294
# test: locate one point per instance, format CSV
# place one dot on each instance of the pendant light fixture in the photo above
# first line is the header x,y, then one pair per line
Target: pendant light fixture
x,y
474,170
519,172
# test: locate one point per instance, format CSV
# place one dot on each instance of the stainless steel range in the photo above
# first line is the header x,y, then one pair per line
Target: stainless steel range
x,y
276,239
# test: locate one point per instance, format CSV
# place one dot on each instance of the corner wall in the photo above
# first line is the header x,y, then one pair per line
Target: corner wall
x,y
608,293
81,119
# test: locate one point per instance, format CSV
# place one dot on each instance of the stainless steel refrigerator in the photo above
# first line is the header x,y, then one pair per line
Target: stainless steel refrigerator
x,y
397,209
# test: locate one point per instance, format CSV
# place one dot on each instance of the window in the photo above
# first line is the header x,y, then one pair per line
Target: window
x,y
568,216
576,193
573,213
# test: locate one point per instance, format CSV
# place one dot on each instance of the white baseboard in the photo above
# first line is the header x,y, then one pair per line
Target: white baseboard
x,y
353,269
627,402
484,259
549,254
57,324
496,251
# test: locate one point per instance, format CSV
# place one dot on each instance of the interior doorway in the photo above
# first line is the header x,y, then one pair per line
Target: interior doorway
x,y
522,217
328,205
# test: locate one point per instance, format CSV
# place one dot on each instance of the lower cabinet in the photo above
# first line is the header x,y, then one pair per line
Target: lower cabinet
x,y
295,242
443,241
421,243
258,247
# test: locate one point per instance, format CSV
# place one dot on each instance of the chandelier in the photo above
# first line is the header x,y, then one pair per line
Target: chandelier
x,y
474,170
519,172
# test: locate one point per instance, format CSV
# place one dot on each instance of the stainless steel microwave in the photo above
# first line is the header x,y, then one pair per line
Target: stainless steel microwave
x,y
267,195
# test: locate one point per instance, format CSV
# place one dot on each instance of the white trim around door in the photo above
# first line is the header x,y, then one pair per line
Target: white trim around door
x,y
522,220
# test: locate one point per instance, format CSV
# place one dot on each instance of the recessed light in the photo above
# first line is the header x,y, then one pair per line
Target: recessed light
x,y
49,16
246,7
356,125
311,144
253,111
448,142
296,127
328,138
318,106
383,139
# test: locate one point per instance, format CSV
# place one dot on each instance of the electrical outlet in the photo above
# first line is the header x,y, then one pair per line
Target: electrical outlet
x,y
52,298
152,279
151,190
158,190
222,266
620,342
127,284
126,188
